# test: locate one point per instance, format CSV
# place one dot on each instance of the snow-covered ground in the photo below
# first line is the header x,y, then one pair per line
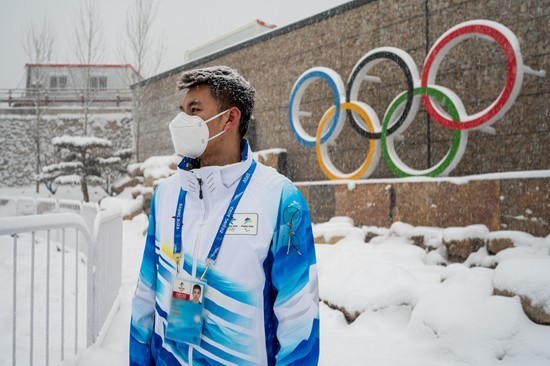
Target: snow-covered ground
x,y
48,262
410,307
412,312
112,348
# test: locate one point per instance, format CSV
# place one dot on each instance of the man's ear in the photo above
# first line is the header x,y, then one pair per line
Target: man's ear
x,y
234,118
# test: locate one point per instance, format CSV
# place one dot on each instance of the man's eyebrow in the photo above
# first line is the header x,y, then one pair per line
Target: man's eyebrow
x,y
194,103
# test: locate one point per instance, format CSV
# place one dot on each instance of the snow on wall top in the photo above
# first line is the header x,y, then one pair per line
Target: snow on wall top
x,y
81,141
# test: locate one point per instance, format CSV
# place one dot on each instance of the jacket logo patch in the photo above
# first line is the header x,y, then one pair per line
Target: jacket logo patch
x,y
243,224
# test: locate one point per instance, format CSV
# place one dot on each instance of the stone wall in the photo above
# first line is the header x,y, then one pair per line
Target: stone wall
x,y
18,130
338,38
521,204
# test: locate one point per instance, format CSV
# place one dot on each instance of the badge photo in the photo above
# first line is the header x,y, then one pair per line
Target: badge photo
x,y
185,317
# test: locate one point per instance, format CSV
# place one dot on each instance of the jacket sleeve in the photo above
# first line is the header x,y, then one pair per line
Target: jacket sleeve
x,y
143,303
294,281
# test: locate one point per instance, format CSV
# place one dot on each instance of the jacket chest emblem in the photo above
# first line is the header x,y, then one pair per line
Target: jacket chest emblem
x,y
243,224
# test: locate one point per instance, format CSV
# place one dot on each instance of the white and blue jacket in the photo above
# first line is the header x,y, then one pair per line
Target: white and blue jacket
x,y
262,302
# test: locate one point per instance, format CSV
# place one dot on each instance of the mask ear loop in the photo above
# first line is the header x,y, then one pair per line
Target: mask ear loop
x,y
216,135
216,116
213,118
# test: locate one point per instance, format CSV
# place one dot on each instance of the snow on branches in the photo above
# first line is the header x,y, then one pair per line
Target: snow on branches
x,y
75,142
84,160
109,161
65,166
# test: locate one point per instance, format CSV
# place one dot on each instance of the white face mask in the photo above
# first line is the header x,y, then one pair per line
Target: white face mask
x,y
190,134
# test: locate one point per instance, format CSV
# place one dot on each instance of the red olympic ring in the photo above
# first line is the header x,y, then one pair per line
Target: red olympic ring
x,y
461,121
497,106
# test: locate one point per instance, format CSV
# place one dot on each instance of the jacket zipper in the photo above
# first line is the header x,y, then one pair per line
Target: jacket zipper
x,y
200,187
201,227
197,240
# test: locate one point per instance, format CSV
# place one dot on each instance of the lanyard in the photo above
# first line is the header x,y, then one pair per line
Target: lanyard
x,y
216,245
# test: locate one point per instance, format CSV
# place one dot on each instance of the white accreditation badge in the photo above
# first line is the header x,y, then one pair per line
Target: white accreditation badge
x,y
185,318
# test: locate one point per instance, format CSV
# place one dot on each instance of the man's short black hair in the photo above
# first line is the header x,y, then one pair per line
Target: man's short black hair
x,y
197,287
228,88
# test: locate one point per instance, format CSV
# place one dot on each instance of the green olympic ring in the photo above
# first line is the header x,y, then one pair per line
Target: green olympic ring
x,y
460,137
405,106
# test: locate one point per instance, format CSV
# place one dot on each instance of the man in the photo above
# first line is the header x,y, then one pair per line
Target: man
x,y
197,293
260,295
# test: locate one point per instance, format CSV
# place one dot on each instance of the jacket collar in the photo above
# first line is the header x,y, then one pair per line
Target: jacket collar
x,y
216,180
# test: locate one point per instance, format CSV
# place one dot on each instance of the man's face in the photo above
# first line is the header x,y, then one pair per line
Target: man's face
x,y
199,102
196,294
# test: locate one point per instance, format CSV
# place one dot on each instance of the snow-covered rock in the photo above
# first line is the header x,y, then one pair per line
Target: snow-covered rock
x,y
124,182
428,238
129,207
498,241
463,241
157,168
528,278
336,229
134,169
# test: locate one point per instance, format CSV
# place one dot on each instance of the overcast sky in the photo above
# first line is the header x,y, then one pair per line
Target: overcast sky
x,y
186,24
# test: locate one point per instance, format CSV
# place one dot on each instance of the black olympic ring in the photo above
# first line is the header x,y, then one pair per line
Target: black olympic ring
x,y
357,70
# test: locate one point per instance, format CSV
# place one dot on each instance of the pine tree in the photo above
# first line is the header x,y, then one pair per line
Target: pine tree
x,y
85,161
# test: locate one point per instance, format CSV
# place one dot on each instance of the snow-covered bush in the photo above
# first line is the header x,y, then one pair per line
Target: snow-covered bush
x,y
86,161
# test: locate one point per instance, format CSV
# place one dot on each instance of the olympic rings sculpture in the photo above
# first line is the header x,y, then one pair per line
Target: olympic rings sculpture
x,y
403,109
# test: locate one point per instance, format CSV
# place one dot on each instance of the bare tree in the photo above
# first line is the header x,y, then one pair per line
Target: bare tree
x,y
89,47
142,49
38,45
140,39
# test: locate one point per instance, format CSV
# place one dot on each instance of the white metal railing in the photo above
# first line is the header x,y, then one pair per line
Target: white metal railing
x,y
47,97
22,206
16,227
101,254
108,273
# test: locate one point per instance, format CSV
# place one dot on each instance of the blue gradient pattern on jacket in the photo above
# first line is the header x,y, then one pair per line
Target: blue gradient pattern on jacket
x,y
261,302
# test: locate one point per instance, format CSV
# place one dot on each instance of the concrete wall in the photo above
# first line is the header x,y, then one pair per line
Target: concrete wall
x,y
337,39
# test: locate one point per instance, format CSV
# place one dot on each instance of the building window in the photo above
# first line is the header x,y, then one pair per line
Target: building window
x,y
58,81
98,82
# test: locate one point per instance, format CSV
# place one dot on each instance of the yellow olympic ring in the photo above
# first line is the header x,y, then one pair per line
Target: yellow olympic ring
x,y
406,109
373,155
